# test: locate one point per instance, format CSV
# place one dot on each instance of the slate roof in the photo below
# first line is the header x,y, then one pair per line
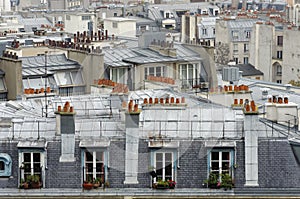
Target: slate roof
x,y
248,70
124,57
155,11
29,23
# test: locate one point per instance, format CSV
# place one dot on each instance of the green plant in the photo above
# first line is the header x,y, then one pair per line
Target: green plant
x,y
33,178
227,182
212,181
97,181
106,184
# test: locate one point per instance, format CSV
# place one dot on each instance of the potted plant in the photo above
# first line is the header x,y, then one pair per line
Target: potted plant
x,y
33,181
212,181
227,182
97,182
88,184
172,184
161,184
106,184
24,184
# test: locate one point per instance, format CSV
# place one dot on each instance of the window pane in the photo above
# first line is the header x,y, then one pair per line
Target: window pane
x,y
27,157
88,156
36,157
146,72
184,72
25,83
36,83
114,75
99,167
225,156
159,165
77,78
215,155
89,167
2,87
122,72
158,71
215,165
159,157
225,165
168,172
36,167
99,156
151,71
168,157
1,165
64,78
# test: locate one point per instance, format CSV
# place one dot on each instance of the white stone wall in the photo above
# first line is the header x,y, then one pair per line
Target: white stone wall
x,y
291,56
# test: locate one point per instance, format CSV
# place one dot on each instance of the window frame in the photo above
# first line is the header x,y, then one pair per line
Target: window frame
x,y
235,48
173,163
189,79
42,162
155,72
114,24
279,40
119,75
231,161
104,161
7,165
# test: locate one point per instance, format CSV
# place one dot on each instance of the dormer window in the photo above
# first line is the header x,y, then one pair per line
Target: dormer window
x,y
5,165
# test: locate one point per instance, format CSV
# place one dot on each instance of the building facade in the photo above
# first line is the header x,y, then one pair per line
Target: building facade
x,y
232,40
184,143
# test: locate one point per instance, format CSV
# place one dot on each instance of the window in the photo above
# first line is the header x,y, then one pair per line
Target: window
x,y
72,90
279,70
246,60
236,60
5,165
157,71
279,40
2,166
246,48
32,163
248,34
279,54
214,31
164,166
94,165
119,75
235,48
69,78
115,25
2,84
221,161
85,18
189,75
278,81
235,34
204,31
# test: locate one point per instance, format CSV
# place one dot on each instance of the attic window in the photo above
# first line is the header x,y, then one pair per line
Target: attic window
x,y
5,165
2,165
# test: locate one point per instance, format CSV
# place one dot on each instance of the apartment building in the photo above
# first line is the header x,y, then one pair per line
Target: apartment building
x,y
232,40
198,29
174,137
274,51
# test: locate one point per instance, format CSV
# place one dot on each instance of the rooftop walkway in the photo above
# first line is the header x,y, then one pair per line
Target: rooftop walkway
x,y
130,193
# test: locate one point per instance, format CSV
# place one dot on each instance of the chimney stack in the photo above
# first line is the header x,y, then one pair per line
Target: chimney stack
x,y
65,127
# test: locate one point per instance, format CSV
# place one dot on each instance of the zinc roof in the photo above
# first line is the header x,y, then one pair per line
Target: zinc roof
x,y
35,65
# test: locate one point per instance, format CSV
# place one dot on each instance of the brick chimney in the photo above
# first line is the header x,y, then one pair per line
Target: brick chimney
x,y
65,127
132,143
